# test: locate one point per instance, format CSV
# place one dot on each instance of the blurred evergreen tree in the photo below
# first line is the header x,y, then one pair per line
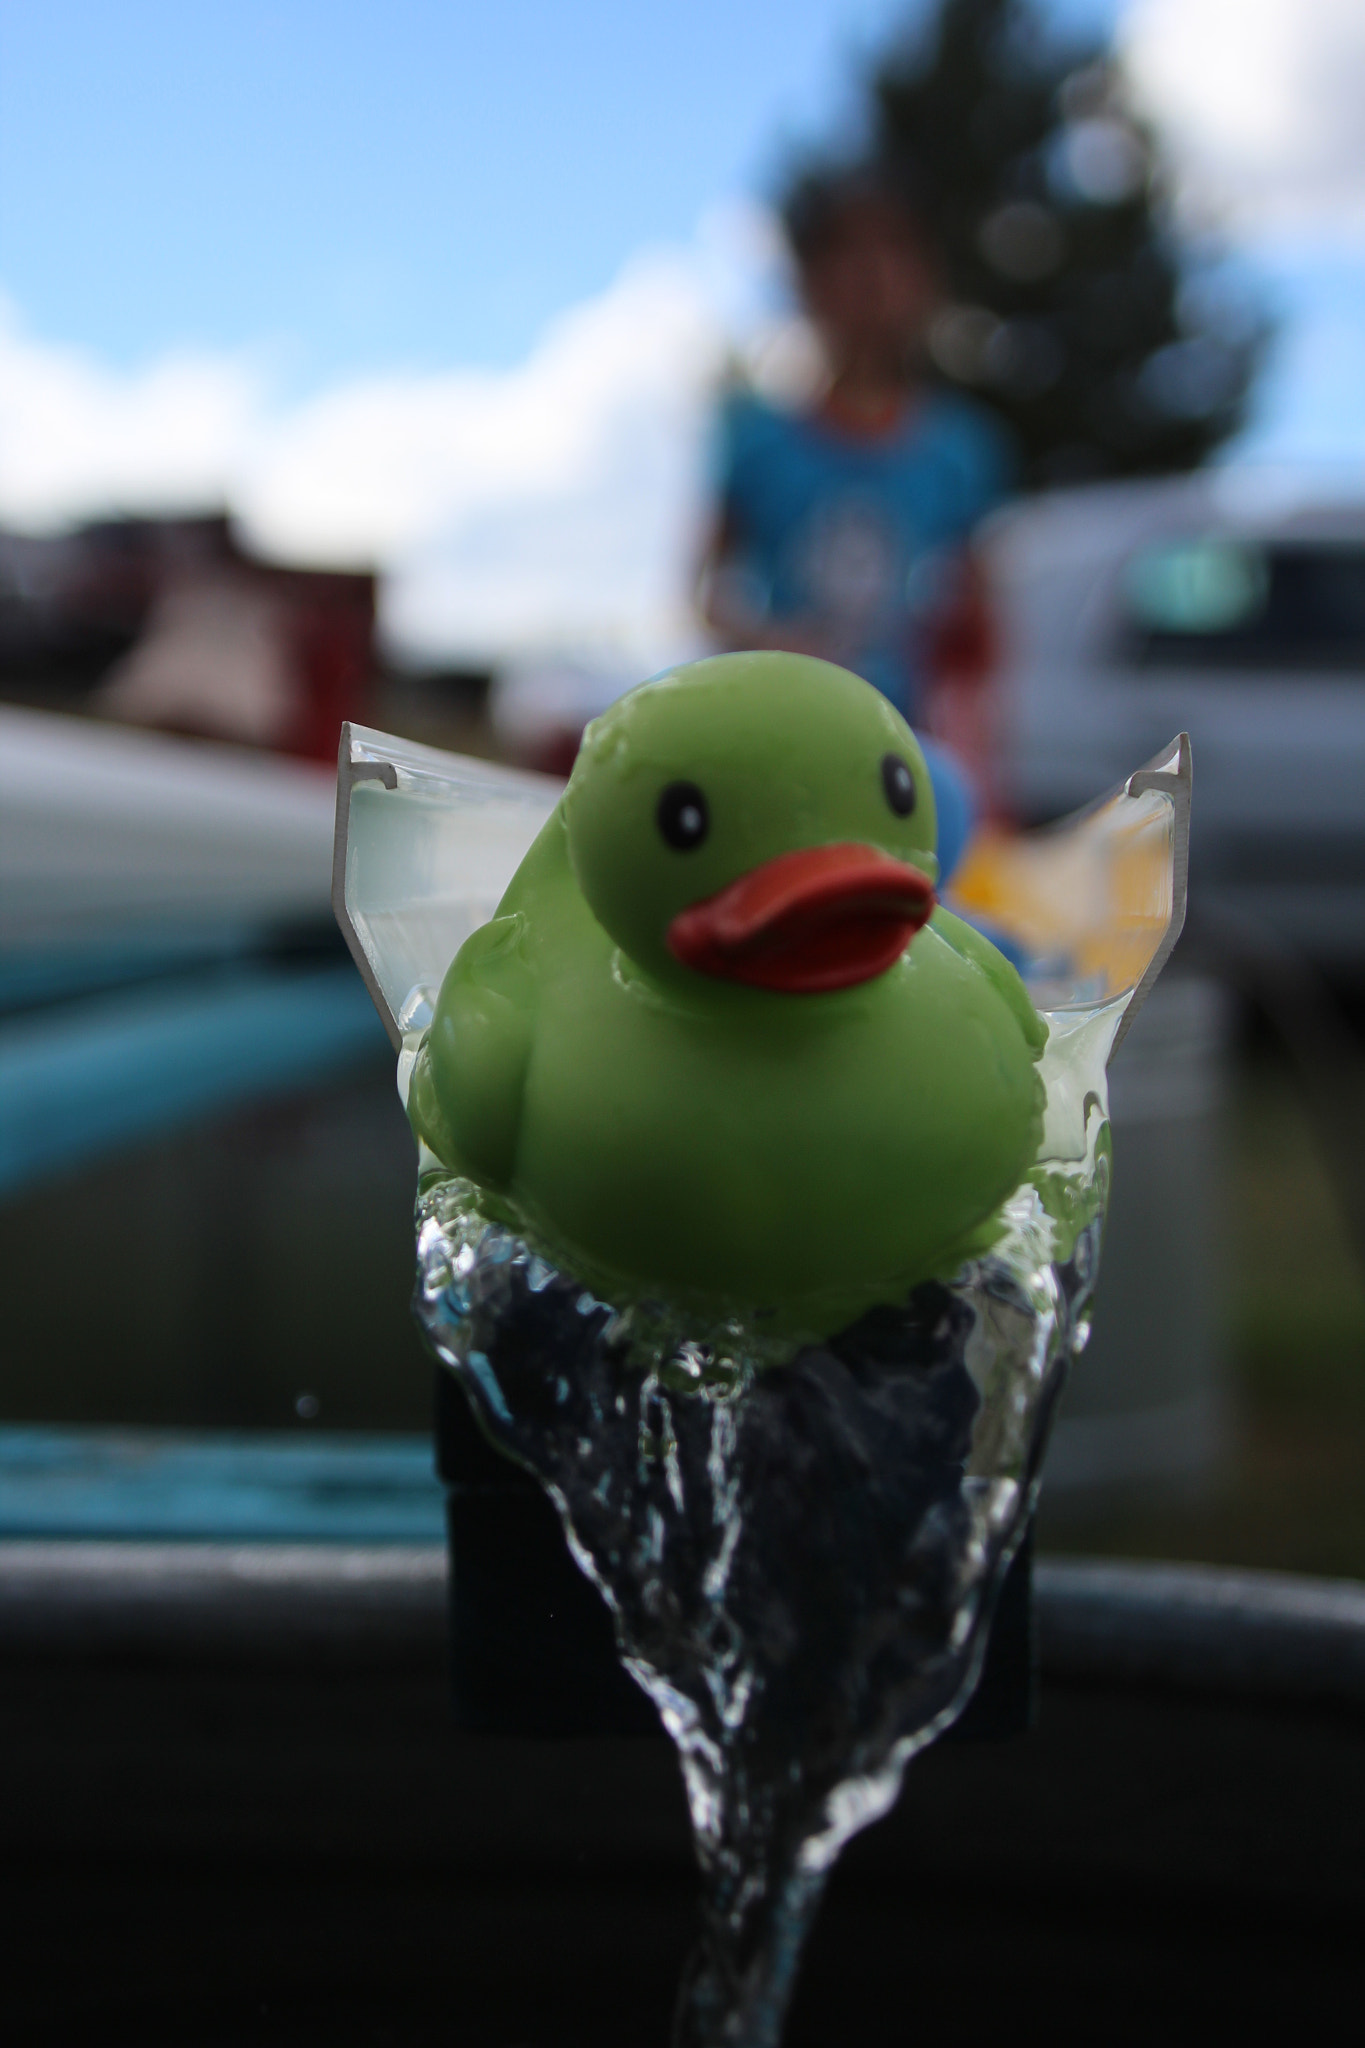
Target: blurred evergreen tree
x,y
1110,348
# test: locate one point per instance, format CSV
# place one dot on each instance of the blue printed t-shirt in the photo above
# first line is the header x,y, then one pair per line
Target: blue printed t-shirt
x,y
859,532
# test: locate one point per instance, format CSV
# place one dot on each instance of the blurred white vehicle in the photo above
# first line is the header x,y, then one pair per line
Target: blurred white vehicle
x,y
1216,605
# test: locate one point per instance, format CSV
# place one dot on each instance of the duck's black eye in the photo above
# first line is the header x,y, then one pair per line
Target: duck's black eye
x,y
682,816
899,784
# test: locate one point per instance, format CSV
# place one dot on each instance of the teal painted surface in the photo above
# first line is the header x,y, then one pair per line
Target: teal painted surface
x,y
81,1079
55,972
135,1484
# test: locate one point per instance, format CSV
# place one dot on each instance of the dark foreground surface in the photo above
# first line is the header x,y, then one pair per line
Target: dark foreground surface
x,y
297,1848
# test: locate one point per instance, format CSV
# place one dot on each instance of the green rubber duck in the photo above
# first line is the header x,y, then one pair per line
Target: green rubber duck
x,y
719,1044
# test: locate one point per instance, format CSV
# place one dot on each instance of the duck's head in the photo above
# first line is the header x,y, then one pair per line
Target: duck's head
x,y
759,818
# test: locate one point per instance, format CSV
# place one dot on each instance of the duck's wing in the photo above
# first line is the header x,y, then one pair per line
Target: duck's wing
x,y
971,945
469,1074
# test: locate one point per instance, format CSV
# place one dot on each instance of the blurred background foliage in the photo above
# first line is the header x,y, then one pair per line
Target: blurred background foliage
x,y
1112,343
1289,1492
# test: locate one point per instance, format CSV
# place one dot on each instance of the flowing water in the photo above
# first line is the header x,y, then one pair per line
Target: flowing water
x,y
800,1543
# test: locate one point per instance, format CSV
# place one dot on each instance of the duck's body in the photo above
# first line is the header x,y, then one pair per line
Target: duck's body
x,y
768,1148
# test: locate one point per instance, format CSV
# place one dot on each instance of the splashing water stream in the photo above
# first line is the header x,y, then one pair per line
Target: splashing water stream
x,y
800,1542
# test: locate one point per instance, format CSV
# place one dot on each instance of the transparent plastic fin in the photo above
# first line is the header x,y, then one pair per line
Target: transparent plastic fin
x,y
426,843
1091,907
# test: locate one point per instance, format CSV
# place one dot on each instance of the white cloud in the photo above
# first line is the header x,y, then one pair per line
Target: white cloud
x,y
75,436
552,502
1262,101
1309,407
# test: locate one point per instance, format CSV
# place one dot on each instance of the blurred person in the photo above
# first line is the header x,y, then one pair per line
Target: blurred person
x,y
843,528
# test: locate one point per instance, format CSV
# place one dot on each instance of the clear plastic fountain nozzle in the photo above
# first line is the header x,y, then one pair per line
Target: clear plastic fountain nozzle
x,y
799,1532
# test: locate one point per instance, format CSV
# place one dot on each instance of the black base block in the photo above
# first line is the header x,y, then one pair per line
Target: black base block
x,y
533,1652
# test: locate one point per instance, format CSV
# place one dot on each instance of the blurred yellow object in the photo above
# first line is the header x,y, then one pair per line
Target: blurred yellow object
x,y
1092,904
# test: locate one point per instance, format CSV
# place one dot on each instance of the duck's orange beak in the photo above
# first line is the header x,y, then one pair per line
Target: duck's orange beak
x,y
823,918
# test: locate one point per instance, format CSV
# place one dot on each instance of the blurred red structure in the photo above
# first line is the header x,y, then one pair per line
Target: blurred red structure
x,y
331,632
175,624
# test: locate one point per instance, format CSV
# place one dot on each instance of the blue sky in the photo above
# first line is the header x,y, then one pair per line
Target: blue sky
x,y
448,289
352,185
